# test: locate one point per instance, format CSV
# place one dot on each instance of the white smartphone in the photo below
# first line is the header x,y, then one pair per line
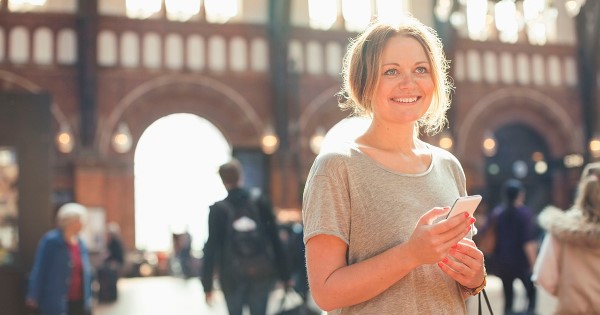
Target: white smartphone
x,y
464,204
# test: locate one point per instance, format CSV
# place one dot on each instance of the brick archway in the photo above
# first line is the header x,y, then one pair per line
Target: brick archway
x,y
208,98
526,106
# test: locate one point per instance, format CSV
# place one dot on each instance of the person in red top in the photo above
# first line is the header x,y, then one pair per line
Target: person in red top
x,y
60,281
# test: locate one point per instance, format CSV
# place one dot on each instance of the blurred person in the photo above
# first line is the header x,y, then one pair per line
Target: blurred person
x,y
568,265
114,246
516,244
243,247
61,277
183,252
110,271
374,244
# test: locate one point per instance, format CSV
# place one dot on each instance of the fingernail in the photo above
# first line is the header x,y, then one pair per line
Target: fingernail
x,y
455,246
440,264
466,215
472,220
445,260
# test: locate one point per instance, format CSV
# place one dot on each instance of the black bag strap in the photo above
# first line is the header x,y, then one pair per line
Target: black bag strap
x,y
250,206
487,301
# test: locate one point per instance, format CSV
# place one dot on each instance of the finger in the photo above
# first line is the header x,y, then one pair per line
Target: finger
x,y
455,233
454,223
468,242
466,256
449,269
432,214
466,261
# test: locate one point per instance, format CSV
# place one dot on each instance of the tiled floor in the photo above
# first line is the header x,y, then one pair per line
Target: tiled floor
x,y
176,296
168,296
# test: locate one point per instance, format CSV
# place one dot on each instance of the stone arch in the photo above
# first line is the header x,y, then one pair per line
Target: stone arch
x,y
31,87
321,111
224,107
527,106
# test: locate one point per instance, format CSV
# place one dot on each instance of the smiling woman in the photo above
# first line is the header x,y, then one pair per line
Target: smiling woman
x,y
370,206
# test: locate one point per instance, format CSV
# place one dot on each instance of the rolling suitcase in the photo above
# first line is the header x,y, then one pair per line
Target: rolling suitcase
x,y
107,280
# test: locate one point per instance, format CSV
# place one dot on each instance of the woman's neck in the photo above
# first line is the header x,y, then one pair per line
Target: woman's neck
x,y
390,138
70,237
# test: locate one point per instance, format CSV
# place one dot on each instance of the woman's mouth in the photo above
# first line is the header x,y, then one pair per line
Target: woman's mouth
x,y
406,99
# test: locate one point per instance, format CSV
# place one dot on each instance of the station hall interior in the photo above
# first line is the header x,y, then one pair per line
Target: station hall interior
x,y
128,107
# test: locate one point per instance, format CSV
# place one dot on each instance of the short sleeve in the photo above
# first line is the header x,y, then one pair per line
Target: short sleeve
x,y
326,201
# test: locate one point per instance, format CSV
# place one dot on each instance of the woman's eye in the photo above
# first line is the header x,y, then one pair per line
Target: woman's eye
x,y
421,70
391,72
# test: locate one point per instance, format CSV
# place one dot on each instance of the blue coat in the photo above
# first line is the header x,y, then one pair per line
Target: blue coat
x,y
50,277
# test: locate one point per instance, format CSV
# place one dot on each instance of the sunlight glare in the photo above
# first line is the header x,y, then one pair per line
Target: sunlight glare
x,y
357,14
176,179
506,21
322,13
477,19
141,9
24,5
221,11
344,132
178,10
390,11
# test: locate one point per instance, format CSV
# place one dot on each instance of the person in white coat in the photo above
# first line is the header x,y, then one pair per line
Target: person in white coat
x,y
568,265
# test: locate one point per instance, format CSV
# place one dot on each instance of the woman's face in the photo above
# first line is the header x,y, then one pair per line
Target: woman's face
x,y
406,86
74,225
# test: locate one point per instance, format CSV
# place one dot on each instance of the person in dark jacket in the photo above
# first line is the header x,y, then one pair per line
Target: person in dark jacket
x,y
516,245
114,246
61,277
237,289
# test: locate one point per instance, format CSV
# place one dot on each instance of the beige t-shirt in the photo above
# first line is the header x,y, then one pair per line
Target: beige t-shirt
x,y
351,196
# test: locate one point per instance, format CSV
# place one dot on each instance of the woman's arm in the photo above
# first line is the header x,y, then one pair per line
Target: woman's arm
x,y
335,284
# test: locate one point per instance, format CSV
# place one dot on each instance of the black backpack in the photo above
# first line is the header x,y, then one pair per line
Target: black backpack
x,y
247,252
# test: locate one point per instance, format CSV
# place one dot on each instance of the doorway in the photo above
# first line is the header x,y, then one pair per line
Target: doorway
x,y
523,154
176,179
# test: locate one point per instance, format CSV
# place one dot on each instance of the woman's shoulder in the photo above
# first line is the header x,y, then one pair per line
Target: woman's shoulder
x,y
551,216
336,156
570,226
52,238
443,155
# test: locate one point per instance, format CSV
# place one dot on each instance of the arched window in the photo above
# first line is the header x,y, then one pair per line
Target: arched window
x,y
176,179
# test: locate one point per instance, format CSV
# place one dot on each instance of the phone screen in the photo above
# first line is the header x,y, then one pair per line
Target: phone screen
x,y
464,204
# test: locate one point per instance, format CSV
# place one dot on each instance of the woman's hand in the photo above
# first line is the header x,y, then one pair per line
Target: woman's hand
x,y
465,264
431,242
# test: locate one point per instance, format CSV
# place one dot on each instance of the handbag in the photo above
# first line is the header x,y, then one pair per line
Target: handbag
x,y
487,302
486,242
291,303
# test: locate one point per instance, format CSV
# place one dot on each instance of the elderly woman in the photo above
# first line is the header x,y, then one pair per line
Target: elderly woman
x,y
60,281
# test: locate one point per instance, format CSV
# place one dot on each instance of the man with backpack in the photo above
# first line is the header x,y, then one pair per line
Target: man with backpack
x,y
243,247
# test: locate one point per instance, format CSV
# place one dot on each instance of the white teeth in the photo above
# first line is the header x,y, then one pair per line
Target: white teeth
x,y
405,100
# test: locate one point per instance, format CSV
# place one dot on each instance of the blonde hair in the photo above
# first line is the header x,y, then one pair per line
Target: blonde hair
x,y
363,60
588,198
68,212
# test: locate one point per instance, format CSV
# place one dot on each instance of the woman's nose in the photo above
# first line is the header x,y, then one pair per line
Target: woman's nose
x,y
405,78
